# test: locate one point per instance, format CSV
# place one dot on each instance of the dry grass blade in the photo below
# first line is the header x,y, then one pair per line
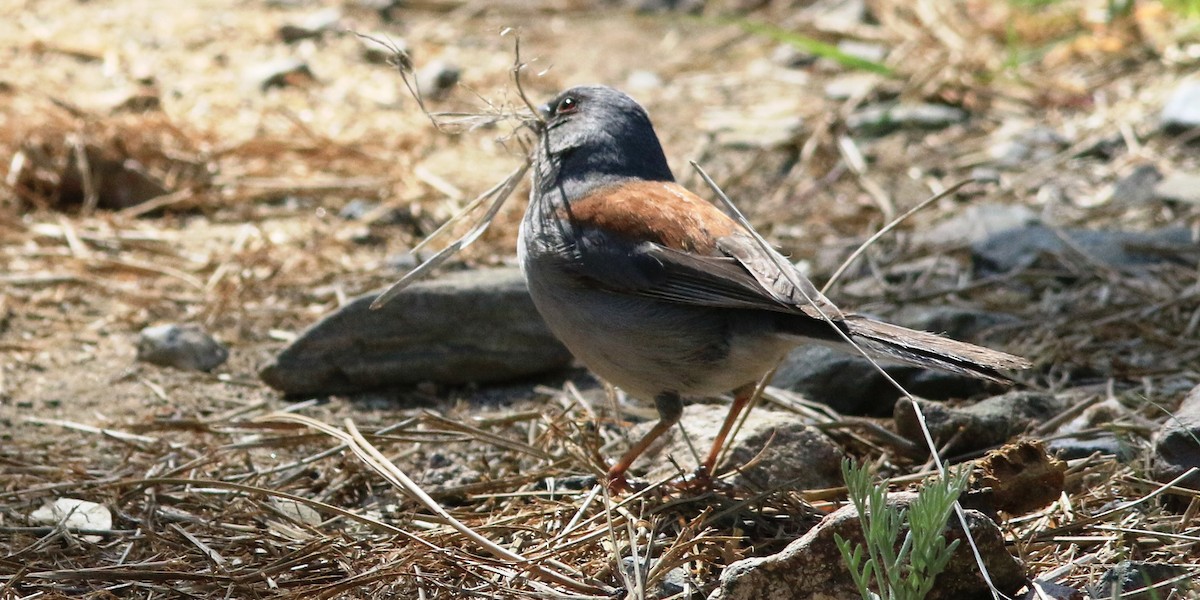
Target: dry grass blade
x,y
375,459
502,193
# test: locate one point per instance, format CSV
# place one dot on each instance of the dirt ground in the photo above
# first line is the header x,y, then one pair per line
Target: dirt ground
x,y
249,243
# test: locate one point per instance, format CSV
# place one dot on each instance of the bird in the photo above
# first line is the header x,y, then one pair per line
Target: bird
x,y
660,293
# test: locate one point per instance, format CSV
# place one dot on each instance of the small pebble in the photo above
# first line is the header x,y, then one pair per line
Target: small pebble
x,y
185,347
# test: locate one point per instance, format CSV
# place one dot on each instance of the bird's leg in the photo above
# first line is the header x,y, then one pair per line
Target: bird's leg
x,y
670,408
741,397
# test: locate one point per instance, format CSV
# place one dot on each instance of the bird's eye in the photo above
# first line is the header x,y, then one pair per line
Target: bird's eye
x,y
566,106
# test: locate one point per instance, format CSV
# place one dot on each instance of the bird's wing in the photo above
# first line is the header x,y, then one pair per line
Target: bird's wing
x,y
658,240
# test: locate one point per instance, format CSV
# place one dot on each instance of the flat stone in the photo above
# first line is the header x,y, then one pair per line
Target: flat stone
x,y
471,326
1174,445
1078,438
985,424
978,222
1018,146
851,385
796,455
1054,591
1182,110
812,566
881,119
186,347
1179,187
1138,187
1038,245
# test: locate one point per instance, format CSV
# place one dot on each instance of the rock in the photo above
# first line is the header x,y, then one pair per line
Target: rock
x,y
470,326
74,513
437,79
1038,245
868,51
977,223
1078,437
836,15
1016,148
982,425
663,6
669,585
185,347
1174,445
812,567
1138,187
285,72
851,385
1129,579
1053,591
1182,110
885,118
965,324
312,26
851,85
1179,187
798,456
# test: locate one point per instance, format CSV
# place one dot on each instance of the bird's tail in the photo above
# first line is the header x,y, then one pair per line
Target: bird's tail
x,y
930,350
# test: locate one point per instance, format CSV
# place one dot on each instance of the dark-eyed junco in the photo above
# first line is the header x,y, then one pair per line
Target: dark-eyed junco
x,y
662,294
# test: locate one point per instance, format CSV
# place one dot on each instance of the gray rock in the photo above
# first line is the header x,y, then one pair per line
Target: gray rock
x,y
977,223
885,118
672,583
1053,591
1175,445
798,456
185,347
438,78
471,326
1085,445
985,424
1078,437
1179,187
851,385
812,568
1182,111
851,85
1016,149
1138,186
312,26
965,324
1129,579
1041,246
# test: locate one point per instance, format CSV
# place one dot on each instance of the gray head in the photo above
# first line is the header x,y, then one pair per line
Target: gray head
x,y
593,136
